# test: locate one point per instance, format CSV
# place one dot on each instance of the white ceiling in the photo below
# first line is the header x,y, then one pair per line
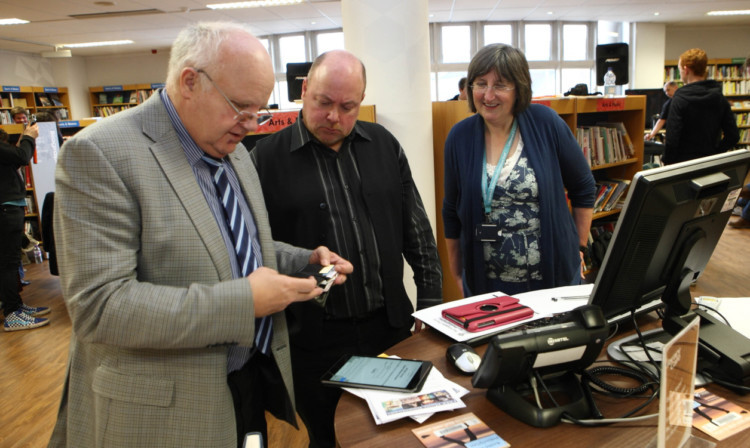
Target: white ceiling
x,y
52,21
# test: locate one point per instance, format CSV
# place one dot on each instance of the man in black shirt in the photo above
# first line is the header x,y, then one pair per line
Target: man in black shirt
x,y
330,178
699,114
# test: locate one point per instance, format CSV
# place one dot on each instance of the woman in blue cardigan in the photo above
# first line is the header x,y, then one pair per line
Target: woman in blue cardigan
x,y
508,226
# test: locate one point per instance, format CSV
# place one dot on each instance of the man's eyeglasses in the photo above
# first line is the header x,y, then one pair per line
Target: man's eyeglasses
x,y
242,115
497,88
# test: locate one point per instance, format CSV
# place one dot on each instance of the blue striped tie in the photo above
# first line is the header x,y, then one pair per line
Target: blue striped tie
x,y
243,246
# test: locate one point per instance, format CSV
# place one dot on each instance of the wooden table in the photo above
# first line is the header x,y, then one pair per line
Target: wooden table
x,y
355,426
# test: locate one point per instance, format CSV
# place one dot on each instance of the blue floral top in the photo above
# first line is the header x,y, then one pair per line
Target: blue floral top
x,y
514,258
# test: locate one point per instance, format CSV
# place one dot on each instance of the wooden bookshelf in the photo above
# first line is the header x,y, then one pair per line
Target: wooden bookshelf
x,y
108,100
575,111
34,99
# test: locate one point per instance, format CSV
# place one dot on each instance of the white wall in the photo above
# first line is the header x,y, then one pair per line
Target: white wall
x,y
647,55
136,68
717,42
25,69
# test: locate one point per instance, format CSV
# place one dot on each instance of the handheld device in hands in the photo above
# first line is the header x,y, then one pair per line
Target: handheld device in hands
x,y
324,275
372,372
488,313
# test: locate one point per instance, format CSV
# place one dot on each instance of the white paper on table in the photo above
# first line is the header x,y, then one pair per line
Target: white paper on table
x,y
544,303
435,382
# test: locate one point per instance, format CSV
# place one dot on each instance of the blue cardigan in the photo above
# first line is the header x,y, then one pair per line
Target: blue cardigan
x,y
559,164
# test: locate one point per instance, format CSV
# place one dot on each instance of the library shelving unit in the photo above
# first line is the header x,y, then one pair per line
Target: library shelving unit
x,y
34,99
575,111
33,213
735,86
108,100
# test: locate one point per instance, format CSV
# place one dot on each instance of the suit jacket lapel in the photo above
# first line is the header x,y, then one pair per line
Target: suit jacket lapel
x,y
170,156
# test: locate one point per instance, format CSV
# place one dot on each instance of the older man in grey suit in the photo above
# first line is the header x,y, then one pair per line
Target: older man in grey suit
x,y
160,305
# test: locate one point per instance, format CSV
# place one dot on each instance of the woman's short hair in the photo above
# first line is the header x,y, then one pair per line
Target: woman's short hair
x,y
696,60
508,63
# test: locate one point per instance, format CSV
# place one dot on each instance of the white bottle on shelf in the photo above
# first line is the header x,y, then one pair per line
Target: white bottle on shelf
x,y
609,83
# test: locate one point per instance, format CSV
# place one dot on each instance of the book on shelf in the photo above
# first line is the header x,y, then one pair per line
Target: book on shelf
x,y
43,100
55,98
117,98
30,205
103,98
133,97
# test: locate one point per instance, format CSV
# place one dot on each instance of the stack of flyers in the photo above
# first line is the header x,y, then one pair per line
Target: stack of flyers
x,y
437,394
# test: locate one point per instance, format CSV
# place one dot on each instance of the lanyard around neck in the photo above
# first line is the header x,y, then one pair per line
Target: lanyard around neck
x,y
488,187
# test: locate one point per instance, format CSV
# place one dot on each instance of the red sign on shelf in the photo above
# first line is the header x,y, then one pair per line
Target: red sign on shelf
x,y
279,121
610,104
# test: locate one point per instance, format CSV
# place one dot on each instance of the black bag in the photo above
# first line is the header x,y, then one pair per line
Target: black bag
x,y
580,90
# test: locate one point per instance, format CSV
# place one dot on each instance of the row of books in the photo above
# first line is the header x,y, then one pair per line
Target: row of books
x,y
132,96
605,143
744,136
743,119
609,194
717,72
48,99
30,205
736,87
740,104
106,111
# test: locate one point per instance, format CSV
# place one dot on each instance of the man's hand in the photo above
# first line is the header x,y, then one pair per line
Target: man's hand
x,y
273,292
324,257
32,131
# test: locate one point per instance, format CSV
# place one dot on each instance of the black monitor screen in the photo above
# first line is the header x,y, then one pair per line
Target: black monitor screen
x,y
614,56
655,99
296,72
667,230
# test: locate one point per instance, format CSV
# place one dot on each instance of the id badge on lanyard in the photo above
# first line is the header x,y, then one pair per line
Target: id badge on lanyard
x,y
490,232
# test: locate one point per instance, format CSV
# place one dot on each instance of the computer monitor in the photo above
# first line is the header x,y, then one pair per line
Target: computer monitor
x,y
667,230
655,99
296,72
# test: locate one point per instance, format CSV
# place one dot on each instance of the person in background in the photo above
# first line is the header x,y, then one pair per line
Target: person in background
x,y
700,122
507,223
669,89
19,115
179,336
44,116
461,95
18,316
331,179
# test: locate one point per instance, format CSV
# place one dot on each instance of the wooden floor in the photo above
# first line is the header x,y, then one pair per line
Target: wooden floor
x,y
32,363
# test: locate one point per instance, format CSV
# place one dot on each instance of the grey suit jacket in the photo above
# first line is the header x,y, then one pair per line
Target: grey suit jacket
x,y
148,285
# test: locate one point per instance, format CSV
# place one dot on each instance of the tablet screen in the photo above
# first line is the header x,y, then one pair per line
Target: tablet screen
x,y
378,373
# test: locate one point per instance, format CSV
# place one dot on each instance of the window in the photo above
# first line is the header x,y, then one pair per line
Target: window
x,y
573,76
291,49
575,42
543,82
456,43
538,42
447,84
329,41
498,34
